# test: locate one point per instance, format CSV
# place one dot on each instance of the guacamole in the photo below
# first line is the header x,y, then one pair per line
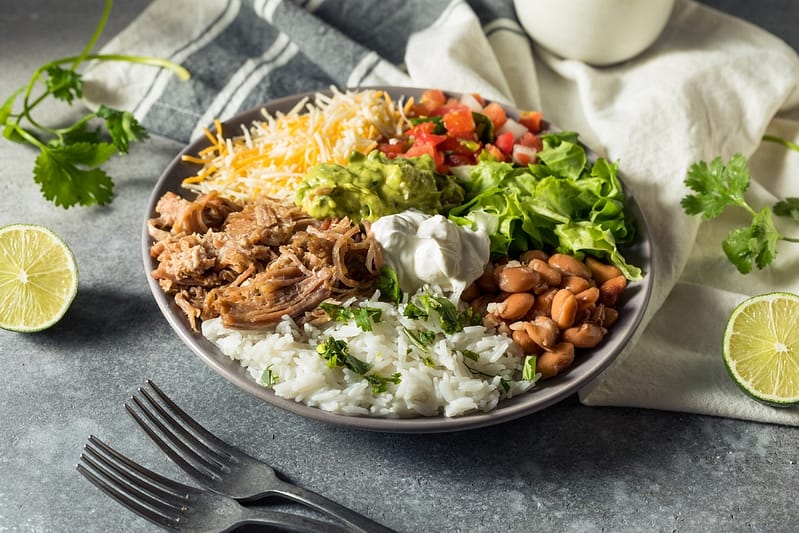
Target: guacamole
x,y
371,186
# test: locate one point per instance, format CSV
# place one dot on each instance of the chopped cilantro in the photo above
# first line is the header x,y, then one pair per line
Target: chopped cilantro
x,y
470,355
421,338
388,285
268,378
415,312
451,319
337,354
363,316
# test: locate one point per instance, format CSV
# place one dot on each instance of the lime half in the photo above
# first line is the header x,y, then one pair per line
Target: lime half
x,y
38,278
761,347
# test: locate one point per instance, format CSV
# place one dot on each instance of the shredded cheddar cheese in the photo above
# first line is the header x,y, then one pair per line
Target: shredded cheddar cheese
x,y
271,156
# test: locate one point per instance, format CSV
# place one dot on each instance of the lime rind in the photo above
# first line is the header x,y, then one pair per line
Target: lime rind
x,y
51,278
761,347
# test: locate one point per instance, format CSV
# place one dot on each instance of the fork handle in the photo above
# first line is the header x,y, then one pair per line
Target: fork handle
x,y
356,521
287,522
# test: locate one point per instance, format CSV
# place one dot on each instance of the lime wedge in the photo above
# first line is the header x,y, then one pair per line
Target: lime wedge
x,y
761,347
38,278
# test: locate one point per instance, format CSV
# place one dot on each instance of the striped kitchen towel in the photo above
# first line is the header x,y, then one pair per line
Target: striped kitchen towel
x,y
242,53
709,86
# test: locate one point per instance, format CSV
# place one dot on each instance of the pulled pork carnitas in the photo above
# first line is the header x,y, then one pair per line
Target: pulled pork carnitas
x,y
252,263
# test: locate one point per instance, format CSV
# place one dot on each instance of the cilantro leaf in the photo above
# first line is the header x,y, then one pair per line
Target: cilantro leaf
x,y
421,338
756,244
451,319
470,355
268,377
380,383
60,172
788,207
388,284
64,84
337,354
717,186
363,316
414,312
122,126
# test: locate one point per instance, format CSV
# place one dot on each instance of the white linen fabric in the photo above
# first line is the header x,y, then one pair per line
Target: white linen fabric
x,y
711,85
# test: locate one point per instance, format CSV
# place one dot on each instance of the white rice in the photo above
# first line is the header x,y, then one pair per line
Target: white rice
x,y
448,384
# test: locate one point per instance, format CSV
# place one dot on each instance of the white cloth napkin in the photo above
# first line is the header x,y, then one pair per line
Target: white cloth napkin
x,y
710,86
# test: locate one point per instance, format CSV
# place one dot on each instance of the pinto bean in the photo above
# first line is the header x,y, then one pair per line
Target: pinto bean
x,y
564,308
600,271
586,335
587,299
543,331
480,304
470,293
516,305
612,289
543,302
529,255
611,315
569,265
517,279
549,274
553,362
487,282
575,284
524,341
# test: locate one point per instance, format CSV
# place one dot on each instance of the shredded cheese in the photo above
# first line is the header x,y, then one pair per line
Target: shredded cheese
x,y
271,156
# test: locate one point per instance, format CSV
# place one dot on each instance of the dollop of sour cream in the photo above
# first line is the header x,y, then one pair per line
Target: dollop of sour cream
x,y
431,250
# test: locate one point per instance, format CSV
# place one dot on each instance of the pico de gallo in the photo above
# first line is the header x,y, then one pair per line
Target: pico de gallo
x,y
454,131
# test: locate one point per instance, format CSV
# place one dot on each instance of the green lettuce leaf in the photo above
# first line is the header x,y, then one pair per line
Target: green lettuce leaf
x,y
561,202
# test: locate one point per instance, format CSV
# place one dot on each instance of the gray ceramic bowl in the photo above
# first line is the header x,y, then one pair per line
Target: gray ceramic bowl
x,y
586,367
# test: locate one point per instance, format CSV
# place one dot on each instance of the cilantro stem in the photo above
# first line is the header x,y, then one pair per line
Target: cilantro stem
x,y
779,140
789,239
95,36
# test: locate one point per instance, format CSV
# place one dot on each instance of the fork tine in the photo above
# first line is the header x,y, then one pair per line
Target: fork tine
x,y
177,418
211,440
125,499
165,489
148,494
171,444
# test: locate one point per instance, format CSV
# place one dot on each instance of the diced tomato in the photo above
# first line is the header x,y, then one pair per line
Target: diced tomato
x,y
459,122
495,152
422,133
430,100
392,150
496,114
531,119
504,142
418,150
531,140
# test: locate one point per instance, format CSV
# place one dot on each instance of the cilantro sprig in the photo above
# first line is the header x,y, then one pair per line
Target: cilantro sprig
x,y
718,186
68,168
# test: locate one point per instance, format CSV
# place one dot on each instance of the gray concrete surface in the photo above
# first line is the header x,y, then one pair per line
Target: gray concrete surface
x,y
569,468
